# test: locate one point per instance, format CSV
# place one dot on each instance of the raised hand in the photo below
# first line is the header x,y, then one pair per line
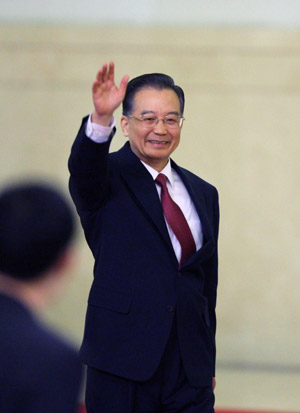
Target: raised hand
x,y
106,96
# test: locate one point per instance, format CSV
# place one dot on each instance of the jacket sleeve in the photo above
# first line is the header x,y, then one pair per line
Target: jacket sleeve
x,y
89,177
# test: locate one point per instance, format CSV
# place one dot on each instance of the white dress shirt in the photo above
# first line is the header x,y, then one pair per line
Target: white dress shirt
x,y
176,188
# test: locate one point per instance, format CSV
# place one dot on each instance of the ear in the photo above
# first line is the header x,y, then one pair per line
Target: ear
x,y
125,125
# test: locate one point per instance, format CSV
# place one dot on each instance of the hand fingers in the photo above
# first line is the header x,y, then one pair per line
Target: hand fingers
x,y
107,72
123,85
100,78
111,71
102,74
95,86
214,383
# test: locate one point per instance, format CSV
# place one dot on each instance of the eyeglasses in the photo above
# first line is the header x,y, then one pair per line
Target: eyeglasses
x,y
150,121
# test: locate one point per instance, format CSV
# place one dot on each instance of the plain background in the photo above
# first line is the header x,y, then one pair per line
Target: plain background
x,y
238,63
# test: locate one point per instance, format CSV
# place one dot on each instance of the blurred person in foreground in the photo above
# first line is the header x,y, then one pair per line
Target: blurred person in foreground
x,y
152,226
39,370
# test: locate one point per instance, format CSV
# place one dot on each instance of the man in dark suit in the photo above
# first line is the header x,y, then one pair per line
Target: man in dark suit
x,y
39,371
149,340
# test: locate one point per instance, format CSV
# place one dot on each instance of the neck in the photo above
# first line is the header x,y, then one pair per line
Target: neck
x,y
27,293
158,166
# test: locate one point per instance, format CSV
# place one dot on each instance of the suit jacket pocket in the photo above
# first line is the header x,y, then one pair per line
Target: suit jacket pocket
x,y
109,299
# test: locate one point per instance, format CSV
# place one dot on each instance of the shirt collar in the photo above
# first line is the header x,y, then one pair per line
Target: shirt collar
x,y
166,171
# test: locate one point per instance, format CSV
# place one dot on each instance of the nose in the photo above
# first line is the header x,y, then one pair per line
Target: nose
x,y
160,127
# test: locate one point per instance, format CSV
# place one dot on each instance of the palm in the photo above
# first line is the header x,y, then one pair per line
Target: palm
x,y
106,96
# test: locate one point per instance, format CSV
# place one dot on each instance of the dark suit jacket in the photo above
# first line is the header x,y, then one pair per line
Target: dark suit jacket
x,y
137,286
39,372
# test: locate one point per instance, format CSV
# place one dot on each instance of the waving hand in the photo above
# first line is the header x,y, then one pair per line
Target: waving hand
x,y
106,96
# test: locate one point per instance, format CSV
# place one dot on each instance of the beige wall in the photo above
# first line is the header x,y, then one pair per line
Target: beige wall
x,y
241,133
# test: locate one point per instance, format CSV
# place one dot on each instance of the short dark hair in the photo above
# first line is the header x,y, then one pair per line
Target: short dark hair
x,y
36,226
157,81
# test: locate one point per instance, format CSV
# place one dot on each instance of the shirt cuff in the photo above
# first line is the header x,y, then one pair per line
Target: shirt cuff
x,y
98,133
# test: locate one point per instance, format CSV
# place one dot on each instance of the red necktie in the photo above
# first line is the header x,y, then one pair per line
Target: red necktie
x,y
177,221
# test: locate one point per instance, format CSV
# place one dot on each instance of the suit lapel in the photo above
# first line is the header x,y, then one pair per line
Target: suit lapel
x,y
141,184
197,197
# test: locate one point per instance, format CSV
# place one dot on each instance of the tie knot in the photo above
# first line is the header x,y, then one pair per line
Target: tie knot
x,y
161,179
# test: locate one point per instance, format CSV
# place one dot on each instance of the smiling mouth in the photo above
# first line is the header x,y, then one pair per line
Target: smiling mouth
x,y
158,142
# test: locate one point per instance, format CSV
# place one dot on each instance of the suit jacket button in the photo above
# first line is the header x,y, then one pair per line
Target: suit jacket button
x,y
170,308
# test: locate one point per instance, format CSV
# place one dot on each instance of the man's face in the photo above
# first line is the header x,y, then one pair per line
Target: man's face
x,y
153,145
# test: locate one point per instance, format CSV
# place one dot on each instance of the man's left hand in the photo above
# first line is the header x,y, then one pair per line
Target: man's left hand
x,y
213,383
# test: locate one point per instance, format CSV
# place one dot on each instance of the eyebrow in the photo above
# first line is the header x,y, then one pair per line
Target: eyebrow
x,y
174,112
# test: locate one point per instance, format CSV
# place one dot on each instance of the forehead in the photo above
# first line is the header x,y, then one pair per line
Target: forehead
x,y
156,100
